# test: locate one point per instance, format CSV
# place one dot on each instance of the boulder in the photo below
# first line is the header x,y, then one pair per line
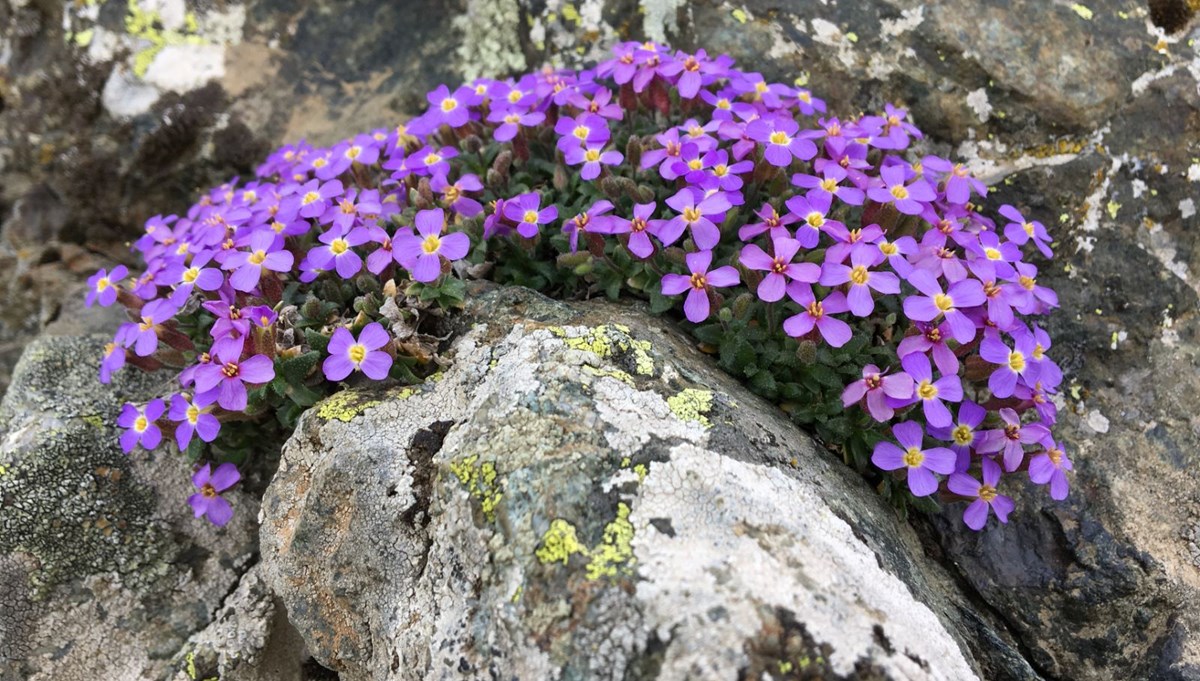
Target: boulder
x,y
104,573
583,495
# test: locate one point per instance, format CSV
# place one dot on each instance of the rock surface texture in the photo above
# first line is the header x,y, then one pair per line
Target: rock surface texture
x,y
104,574
582,495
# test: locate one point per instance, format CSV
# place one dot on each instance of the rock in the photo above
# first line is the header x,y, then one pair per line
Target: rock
x,y
105,574
575,499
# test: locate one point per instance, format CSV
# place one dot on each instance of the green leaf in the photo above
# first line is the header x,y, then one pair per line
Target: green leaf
x,y
316,341
296,369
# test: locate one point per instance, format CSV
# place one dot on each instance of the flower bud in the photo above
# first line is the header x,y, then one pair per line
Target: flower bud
x,y
644,194
633,151
806,352
472,144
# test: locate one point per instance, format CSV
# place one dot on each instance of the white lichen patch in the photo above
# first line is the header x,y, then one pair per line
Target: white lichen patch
x,y
790,551
827,33
1187,208
1096,421
660,18
909,19
978,101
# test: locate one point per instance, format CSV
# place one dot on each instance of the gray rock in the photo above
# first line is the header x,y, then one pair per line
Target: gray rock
x,y
105,574
575,499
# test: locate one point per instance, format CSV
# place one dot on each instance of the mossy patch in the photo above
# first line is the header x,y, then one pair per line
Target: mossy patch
x,y
692,405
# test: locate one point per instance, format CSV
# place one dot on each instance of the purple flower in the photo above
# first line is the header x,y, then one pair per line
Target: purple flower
x,y
140,425
876,387
592,157
512,120
338,251
449,109
830,183
102,286
962,294
639,229
861,279
932,337
694,215
816,314
208,501
265,253
585,129
229,375
931,393
778,134
314,197
1051,466
452,194
1020,231
993,259
429,161
921,464
984,495
665,157
595,219
771,221
962,434
908,199
1011,438
780,269
696,306
194,417
811,210
693,71
114,359
422,254
959,181
1014,363
347,355
144,335
526,211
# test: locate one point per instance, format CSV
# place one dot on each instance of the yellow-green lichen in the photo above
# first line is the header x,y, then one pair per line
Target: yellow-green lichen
x,y
344,406
1082,11
3,469
148,26
611,373
642,471
482,482
191,668
692,405
559,543
606,340
614,555
517,594
94,420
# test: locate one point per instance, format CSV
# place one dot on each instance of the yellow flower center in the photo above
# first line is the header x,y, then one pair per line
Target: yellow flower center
x,y
963,435
926,390
859,275
193,414
779,137
102,284
888,248
449,104
141,424
530,216
637,225
724,104
432,159
512,118
987,493
815,220
581,132
310,197
992,253
760,87
514,96
943,302
1028,227
816,309
1027,283
230,370
431,244
591,155
257,257
914,457
699,281
320,162
339,246
1039,352
900,192
1055,455
691,215
357,353
353,152
695,164
190,275
278,227
208,491
721,170
829,184
1016,361
346,207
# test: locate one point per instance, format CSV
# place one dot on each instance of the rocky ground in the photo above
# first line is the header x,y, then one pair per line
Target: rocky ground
x,y
1084,114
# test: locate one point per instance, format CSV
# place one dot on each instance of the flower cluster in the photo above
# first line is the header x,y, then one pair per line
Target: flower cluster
x,y
807,250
